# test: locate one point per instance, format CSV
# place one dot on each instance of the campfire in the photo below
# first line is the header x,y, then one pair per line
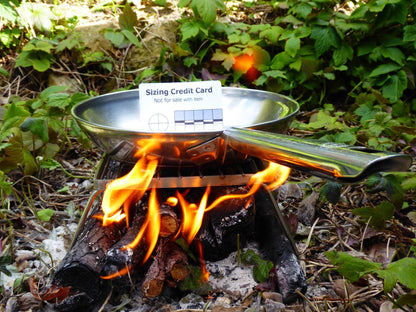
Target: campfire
x,y
135,222
175,217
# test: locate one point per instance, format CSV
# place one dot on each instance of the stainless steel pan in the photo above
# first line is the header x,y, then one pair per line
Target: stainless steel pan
x,y
252,119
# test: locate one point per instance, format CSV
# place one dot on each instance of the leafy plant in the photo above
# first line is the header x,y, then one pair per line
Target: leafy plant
x,y
261,268
126,35
401,271
35,128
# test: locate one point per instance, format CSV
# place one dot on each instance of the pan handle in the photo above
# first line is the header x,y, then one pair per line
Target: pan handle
x,y
327,160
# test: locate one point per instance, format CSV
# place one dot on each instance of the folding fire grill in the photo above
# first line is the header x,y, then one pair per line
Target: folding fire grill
x,y
223,152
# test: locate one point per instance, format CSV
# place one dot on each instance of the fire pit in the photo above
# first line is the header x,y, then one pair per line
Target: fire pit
x,y
210,190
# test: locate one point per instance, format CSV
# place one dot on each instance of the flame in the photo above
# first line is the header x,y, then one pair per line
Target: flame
x,y
192,215
204,271
150,227
121,193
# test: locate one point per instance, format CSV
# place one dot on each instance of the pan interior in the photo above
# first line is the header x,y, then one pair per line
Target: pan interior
x,y
120,111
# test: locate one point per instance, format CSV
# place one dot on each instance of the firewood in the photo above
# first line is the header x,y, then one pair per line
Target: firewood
x,y
232,222
82,266
155,276
118,257
169,266
177,263
169,223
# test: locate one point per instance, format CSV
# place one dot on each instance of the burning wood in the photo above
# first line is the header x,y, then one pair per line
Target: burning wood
x,y
169,266
138,228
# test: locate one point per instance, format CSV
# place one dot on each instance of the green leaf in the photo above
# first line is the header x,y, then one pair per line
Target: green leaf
x,y
131,37
41,64
331,191
366,111
5,260
14,116
189,30
227,59
403,270
394,87
292,46
350,267
30,166
37,126
261,269
60,100
4,72
272,34
183,3
116,37
303,9
207,9
345,137
325,38
50,164
45,214
394,54
7,11
50,90
406,299
384,69
342,54
376,216
409,34
128,19
281,60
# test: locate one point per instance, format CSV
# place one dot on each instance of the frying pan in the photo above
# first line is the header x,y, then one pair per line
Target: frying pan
x,y
251,122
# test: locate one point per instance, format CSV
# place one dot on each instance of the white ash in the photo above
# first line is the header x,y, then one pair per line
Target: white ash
x,y
55,247
230,276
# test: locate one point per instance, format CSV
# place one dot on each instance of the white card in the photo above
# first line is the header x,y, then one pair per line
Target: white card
x,y
181,106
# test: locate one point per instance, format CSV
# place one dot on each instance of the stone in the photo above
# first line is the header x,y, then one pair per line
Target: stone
x,y
273,296
155,39
273,306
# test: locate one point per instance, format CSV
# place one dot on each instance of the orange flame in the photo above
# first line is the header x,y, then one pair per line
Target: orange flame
x,y
121,193
192,216
150,227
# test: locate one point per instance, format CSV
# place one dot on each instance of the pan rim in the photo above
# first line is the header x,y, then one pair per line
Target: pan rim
x,y
289,116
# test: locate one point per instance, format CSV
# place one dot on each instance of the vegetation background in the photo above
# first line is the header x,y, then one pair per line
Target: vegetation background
x,y
350,64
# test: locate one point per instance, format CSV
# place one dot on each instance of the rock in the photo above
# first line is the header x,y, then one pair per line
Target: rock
x,y
344,289
155,39
192,301
92,35
72,84
273,306
273,296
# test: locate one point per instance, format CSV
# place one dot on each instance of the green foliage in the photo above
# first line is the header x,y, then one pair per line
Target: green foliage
x,y
402,271
206,10
35,128
123,37
261,268
376,216
45,214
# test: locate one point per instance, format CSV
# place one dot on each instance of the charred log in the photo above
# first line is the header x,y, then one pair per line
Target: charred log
x,y
231,223
82,265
